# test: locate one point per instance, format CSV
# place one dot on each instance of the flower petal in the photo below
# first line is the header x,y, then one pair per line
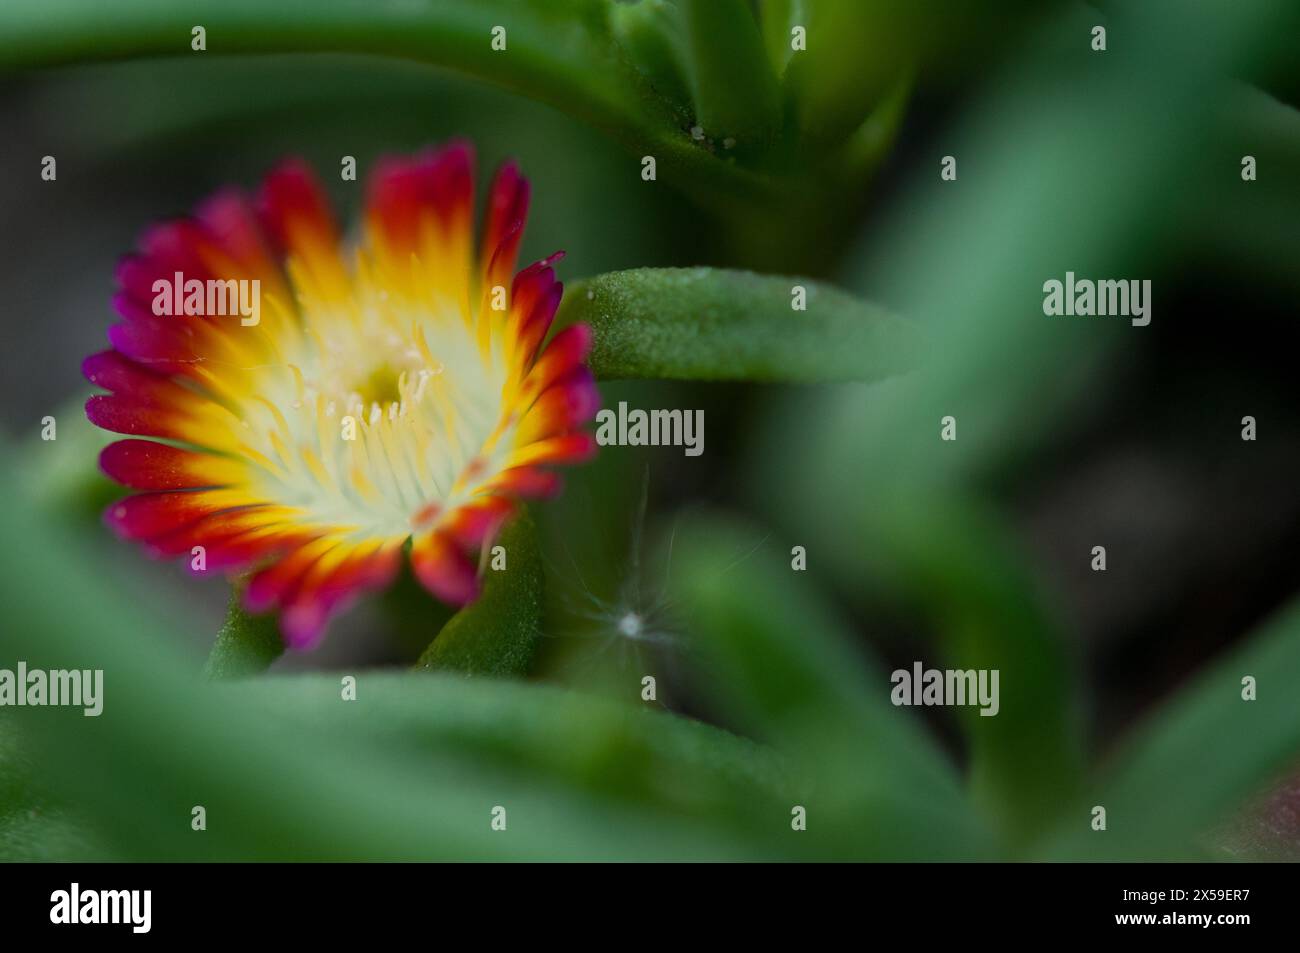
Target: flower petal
x,y
146,465
443,569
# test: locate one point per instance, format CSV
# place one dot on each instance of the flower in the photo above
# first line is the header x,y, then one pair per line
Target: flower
x,y
401,393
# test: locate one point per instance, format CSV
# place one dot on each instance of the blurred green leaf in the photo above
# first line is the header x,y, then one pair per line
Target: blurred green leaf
x,y
846,67
632,754
31,828
654,36
62,476
734,90
39,834
167,741
776,19
879,787
497,634
1052,142
1205,753
247,644
857,50
1252,222
712,324
967,575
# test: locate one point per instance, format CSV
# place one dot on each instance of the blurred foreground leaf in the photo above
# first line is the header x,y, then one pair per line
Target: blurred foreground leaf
x,y
1076,167
1205,753
497,634
967,575
62,476
715,324
878,786
542,732
285,768
31,829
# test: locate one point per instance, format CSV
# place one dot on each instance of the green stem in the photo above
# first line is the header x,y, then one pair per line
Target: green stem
x,y
560,53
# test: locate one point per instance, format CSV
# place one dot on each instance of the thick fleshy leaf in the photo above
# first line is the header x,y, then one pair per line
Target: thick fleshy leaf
x,y
735,92
247,644
654,36
715,324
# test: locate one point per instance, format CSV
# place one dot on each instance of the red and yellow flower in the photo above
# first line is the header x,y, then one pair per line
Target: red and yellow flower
x,y
383,396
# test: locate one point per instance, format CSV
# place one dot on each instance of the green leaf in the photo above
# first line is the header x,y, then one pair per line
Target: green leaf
x,y
713,324
542,732
654,36
787,667
734,90
776,20
953,561
247,644
1204,754
32,829
497,634
857,50
1253,222
846,69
